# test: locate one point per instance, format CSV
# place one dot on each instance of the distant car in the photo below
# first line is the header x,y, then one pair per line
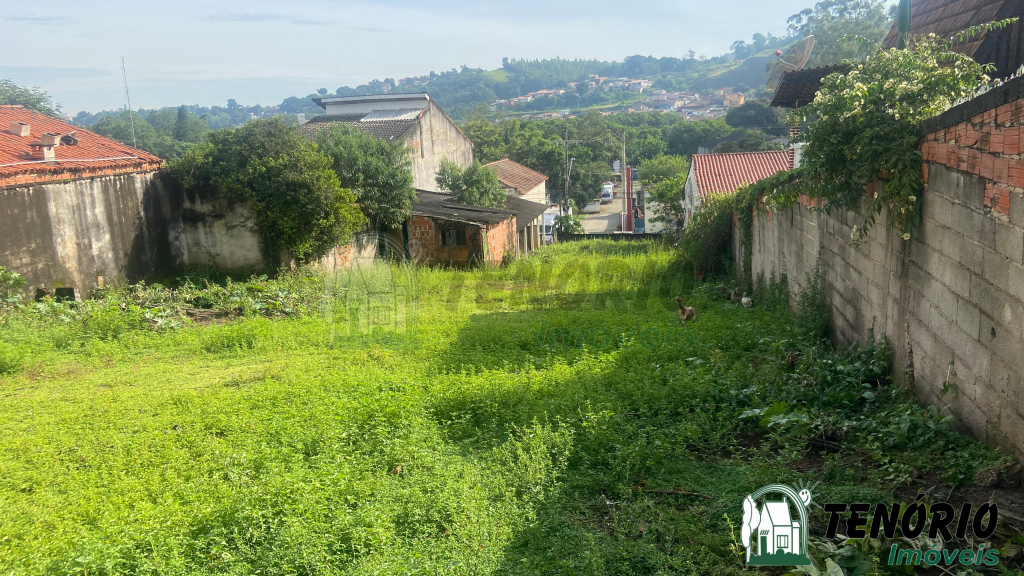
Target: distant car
x,y
606,196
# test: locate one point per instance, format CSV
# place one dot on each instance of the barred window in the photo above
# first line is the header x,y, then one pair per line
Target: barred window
x,y
453,237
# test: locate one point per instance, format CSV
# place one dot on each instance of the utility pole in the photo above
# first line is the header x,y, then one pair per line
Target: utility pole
x,y
565,143
622,167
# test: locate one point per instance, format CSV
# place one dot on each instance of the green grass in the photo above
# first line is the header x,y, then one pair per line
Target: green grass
x,y
475,436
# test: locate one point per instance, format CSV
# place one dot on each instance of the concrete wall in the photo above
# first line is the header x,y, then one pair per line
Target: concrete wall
x,y
72,233
956,290
430,140
121,228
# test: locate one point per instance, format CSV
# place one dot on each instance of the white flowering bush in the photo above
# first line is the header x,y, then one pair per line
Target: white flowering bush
x,y
865,124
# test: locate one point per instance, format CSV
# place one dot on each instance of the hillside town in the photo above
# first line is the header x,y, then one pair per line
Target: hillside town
x,y
757,312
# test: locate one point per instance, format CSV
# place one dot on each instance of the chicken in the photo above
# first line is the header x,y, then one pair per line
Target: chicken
x,y
746,301
735,296
685,312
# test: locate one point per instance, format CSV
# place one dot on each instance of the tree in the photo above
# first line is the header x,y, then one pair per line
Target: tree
x,y
188,127
378,172
832,20
668,194
684,138
136,131
475,185
299,202
663,167
569,223
753,114
32,98
752,141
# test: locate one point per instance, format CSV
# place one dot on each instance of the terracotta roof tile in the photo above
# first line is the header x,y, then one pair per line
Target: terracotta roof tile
x,y
716,173
945,18
93,154
516,176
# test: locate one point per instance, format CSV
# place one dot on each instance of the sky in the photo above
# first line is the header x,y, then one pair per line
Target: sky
x,y
258,52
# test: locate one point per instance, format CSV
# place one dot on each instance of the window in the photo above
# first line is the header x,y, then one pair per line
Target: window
x,y
453,237
783,542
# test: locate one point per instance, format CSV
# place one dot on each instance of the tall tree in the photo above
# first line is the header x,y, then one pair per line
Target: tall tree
x,y
832,20
378,172
684,138
475,185
299,202
662,168
31,98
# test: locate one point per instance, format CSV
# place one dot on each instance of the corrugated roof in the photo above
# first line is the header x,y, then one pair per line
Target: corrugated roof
x,y
716,173
443,206
92,153
516,176
388,115
384,129
799,87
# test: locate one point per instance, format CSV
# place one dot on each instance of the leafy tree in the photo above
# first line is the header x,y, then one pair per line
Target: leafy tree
x,y
188,127
31,98
663,167
753,114
684,138
832,20
475,185
753,141
668,194
146,137
569,223
299,202
378,172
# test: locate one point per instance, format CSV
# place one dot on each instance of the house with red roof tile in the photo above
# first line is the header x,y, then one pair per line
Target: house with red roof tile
x,y
529,186
726,173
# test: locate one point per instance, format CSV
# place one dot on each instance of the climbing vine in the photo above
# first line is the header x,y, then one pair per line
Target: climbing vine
x,y
863,131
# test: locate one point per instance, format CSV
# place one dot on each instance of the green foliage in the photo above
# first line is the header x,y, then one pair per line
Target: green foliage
x,y
756,114
11,282
31,98
569,223
298,200
250,446
136,131
753,141
836,25
663,167
813,310
865,129
378,172
668,195
706,240
475,185
684,138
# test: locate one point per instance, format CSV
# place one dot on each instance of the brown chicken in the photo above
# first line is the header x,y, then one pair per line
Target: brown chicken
x,y
685,312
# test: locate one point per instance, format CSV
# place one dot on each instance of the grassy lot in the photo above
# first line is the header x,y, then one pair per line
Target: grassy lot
x,y
399,421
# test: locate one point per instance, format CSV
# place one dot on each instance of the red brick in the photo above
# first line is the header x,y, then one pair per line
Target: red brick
x,y
988,116
974,161
988,164
954,155
1011,141
1016,173
971,137
1003,113
961,133
942,153
1001,170
1001,200
996,143
989,192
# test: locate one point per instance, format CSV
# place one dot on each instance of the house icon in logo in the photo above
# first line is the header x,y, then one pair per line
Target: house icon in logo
x,y
771,530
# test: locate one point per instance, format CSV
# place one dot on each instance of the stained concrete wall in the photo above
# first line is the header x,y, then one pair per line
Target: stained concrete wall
x,y
432,139
956,290
73,233
121,228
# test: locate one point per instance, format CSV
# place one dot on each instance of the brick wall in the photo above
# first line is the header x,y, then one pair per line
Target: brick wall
x,y
956,290
501,239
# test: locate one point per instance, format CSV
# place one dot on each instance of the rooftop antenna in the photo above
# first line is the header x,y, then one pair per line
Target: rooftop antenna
x,y
131,121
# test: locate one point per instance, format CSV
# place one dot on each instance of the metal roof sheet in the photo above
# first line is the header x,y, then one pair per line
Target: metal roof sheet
x,y
385,115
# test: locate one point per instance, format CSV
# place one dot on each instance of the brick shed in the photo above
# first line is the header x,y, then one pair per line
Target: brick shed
x,y
441,232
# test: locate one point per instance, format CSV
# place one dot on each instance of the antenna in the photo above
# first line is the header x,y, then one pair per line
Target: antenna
x,y
131,120
794,59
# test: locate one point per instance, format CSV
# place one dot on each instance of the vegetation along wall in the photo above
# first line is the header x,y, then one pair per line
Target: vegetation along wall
x,y
953,293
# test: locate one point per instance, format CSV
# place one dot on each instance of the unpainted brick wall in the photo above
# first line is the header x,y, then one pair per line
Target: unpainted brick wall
x,y
955,291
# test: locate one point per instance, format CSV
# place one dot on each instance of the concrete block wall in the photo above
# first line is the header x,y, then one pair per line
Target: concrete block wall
x,y
953,292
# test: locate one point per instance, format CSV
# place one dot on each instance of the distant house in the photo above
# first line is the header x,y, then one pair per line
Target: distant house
x,y
530,186
726,173
78,209
441,232
414,119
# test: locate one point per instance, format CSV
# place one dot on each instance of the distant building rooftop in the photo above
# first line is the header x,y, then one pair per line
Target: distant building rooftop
x,y
718,173
799,87
516,176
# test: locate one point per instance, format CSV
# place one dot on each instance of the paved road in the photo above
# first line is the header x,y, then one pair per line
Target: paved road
x,y
607,221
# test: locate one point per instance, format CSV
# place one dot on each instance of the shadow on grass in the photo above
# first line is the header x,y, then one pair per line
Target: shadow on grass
x,y
641,414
